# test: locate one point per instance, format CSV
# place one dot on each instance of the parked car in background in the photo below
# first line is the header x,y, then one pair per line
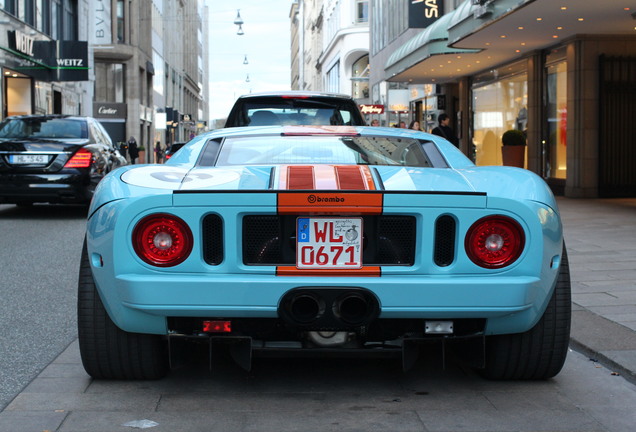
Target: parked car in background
x,y
173,149
294,108
323,241
53,158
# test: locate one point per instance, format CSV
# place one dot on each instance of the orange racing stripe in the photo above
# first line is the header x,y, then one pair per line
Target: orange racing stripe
x,y
368,271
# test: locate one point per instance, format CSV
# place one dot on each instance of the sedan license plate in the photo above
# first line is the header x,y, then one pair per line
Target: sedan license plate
x,y
28,159
329,243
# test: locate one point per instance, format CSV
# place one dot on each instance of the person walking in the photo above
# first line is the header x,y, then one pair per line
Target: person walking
x,y
158,153
445,131
133,150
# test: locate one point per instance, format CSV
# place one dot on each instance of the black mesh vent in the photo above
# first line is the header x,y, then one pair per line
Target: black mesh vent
x,y
444,241
213,239
271,240
396,240
262,239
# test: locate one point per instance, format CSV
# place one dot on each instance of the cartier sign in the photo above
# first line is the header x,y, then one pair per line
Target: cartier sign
x,y
109,110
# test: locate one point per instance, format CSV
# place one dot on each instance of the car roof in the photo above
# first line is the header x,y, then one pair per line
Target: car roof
x,y
46,116
294,93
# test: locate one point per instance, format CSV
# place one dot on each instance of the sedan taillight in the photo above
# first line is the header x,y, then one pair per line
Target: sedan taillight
x,y
494,241
82,159
162,240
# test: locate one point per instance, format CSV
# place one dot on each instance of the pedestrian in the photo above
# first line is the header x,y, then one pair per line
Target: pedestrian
x,y
402,125
445,131
375,122
133,150
123,148
158,153
415,125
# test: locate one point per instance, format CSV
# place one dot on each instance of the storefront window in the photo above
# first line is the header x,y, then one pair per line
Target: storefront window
x,y
499,103
556,112
333,79
110,82
360,78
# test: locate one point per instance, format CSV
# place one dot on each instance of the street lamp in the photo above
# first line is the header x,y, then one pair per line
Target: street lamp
x,y
238,20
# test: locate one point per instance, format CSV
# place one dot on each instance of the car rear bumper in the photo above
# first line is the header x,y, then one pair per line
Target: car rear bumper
x,y
508,304
52,188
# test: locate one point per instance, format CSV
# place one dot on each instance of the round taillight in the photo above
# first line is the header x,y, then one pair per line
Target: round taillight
x,y
162,240
494,241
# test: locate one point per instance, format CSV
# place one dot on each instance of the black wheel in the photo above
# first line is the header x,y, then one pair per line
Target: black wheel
x,y
540,352
107,351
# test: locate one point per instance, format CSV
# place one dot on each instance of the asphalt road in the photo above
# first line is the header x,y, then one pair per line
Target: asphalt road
x,y
41,390
40,249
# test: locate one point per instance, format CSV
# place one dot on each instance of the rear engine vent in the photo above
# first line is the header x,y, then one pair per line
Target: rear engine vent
x,y
445,228
396,240
262,243
213,239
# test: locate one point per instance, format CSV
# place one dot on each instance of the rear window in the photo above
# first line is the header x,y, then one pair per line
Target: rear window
x,y
354,150
268,111
43,128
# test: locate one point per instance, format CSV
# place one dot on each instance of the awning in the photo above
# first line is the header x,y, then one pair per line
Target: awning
x,y
430,43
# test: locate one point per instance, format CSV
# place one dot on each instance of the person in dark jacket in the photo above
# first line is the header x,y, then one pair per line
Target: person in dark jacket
x,y
445,131
133,150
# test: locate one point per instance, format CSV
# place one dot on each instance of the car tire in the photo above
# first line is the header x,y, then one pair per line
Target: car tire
x,y
108,352
540,352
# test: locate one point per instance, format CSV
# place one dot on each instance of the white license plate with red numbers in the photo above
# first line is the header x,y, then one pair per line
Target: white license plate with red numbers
x,y
328,243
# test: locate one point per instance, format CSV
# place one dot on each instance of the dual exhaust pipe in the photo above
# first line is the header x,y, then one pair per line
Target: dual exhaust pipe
x,y
329,308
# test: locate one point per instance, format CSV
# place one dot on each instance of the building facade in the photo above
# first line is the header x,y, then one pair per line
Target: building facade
x,y
330,47
563,72
43,67
120,61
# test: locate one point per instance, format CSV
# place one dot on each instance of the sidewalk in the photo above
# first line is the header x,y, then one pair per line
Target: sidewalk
x,y
601,239
600,236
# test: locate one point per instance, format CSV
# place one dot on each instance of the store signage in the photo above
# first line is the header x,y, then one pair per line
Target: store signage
x,y
109,110
372,109
48,60
23,43
423,13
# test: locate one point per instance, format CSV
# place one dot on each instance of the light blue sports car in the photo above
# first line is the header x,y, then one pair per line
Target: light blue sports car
x,y
325,240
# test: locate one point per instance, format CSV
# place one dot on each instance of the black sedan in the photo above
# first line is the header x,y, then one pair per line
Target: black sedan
x,y
53,159
173,149
295,108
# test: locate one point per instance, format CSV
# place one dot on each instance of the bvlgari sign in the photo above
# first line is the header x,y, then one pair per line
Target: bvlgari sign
x,y
49,60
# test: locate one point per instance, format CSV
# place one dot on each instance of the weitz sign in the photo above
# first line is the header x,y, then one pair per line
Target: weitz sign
x,y
423,13
49,60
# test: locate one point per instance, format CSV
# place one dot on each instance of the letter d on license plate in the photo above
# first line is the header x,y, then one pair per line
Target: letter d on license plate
x,y
329,243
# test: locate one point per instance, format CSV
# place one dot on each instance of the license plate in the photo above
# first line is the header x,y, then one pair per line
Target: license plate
x,y
328,243
28,159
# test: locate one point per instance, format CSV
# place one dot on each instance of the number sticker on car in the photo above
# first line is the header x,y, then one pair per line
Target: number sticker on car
x,y
329,243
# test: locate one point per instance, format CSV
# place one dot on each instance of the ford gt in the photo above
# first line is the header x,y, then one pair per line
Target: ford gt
x,y
323,240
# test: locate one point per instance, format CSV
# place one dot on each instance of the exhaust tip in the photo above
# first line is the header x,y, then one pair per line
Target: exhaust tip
x,y
354,308
306,308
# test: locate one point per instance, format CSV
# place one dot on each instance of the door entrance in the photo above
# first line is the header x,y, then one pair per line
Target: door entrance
x,y
617,152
